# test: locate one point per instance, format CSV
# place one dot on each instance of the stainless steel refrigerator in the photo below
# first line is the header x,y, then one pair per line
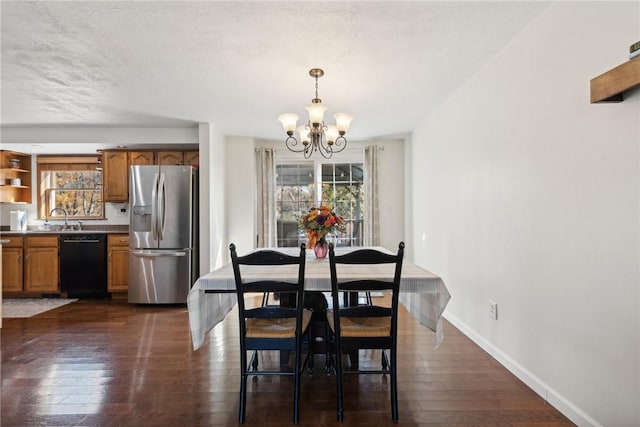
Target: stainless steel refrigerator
x,y
163,233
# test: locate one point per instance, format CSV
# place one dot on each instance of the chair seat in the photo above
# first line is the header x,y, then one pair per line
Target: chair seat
x,y
276,328
354,327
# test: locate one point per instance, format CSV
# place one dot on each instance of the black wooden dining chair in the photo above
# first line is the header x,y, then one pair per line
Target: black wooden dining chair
x,y
270,327
365,326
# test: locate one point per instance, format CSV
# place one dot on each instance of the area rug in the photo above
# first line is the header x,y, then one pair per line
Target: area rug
x,y
28,307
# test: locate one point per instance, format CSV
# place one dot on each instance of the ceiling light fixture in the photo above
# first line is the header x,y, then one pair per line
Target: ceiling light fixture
x,y
315,135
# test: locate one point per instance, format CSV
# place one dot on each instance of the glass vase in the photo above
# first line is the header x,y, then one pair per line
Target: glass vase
x,y
321,248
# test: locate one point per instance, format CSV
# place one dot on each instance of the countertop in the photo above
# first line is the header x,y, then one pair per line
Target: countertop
x,y
86,229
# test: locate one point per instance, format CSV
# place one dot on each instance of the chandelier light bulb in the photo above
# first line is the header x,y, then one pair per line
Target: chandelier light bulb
x,y
331,134
303,131
289,122
343,120
316,113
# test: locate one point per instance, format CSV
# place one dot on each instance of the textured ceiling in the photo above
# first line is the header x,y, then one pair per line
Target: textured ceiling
x,y
239,65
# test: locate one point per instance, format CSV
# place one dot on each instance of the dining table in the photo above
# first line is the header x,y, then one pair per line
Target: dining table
x,y
213,296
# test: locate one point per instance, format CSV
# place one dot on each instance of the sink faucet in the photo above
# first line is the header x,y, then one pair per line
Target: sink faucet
x,y
63,211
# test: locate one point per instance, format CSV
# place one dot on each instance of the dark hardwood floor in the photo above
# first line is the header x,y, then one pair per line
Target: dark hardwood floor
x,y
109,363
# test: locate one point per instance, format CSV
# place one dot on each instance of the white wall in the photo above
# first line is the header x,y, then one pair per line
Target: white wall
x,y
526,194
88,139
205,137
241,193
213,219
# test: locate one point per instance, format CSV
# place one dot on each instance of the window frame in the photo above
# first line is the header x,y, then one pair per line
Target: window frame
x,y
65,163
356,156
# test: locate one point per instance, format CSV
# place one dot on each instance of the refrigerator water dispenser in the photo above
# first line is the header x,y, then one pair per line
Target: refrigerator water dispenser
x,y
141,218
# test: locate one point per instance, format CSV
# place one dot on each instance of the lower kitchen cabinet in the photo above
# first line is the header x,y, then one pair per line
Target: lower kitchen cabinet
x,y
12,267
118,263
42,266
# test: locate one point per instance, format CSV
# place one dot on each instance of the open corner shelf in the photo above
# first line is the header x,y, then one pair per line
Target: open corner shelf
x,y
610,86
9,171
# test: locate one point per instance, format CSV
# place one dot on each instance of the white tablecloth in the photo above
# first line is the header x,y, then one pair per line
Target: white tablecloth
x,y
421,292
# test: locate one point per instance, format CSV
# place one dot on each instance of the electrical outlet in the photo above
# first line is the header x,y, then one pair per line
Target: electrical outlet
x,y
493,310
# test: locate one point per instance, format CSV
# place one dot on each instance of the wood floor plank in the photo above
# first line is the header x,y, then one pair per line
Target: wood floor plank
x,y
109,363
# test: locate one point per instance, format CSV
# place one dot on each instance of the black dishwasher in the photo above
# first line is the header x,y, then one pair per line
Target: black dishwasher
x,y
83,265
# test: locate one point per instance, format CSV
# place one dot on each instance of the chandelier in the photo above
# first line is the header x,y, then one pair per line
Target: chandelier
x,y
315,135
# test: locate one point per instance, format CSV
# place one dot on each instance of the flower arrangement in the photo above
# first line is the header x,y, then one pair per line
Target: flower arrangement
x,y
319,222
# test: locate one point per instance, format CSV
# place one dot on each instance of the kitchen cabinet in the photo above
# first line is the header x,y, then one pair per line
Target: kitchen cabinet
x,y
164,158
141,158
118,263
42,265
191,158
12,266
115,167
115,176
170,157
15,177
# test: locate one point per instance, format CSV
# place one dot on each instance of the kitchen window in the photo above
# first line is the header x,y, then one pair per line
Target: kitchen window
x,y
73,183
302,185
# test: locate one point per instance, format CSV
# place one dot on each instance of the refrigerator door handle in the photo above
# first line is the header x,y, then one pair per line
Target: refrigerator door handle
x,y
162,204
154,207
151,254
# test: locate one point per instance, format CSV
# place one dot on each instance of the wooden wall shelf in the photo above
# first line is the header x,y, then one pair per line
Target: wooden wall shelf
x,y
610,86
15,193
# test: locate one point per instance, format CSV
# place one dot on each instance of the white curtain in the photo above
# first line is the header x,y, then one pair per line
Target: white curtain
x,y
266,176
371,215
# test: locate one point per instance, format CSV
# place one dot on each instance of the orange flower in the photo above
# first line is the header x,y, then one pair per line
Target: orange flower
x,y
319,222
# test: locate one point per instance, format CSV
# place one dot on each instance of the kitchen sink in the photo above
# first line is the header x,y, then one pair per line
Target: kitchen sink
x,y
58,229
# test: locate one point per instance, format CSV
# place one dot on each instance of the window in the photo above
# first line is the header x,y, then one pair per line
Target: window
x,y
295,194
302,185
342,188
71,183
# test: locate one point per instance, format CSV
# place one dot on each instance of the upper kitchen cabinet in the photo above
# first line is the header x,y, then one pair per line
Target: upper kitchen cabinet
x,y
174,157
188,158
170,157
141,158
191,158
115,176
15,177
115,166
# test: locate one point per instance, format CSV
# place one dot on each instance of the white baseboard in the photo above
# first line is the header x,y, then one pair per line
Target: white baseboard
x,y
552,397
